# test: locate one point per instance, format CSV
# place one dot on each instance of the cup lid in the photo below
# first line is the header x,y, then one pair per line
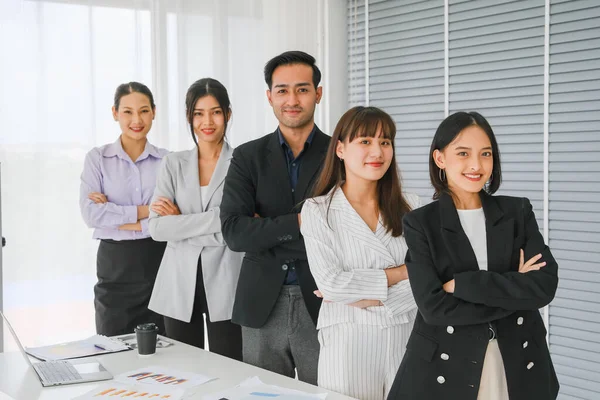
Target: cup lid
x,y
147,327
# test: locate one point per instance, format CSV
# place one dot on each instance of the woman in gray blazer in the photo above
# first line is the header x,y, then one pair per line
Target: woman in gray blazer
x,y
198,274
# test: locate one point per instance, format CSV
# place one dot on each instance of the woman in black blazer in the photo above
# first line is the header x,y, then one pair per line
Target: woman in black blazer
x,y
479,334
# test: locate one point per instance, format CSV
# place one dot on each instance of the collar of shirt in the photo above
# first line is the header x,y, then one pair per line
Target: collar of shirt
x,y
116,149
283,143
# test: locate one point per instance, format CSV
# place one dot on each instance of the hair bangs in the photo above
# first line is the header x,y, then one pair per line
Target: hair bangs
x,y
368,122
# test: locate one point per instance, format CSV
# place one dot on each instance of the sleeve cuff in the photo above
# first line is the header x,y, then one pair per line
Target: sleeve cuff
x,y
291,229
131,214
144,223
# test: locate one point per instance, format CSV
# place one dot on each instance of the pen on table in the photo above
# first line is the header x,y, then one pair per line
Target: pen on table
x,y
99,347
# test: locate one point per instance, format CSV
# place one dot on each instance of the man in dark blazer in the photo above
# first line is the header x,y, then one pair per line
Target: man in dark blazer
x,y
268,180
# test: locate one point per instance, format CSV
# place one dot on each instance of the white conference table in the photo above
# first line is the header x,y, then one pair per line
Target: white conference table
x,y
18,380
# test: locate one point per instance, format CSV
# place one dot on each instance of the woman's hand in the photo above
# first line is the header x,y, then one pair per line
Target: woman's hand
x,y
524,267
143,212
320,295
97,198
163,206
136,226
366,303
530,265
358,304
396,274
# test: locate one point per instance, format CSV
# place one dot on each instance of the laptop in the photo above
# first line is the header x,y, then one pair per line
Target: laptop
x,y
65,372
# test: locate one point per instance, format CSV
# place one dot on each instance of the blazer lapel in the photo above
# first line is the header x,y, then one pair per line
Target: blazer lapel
x,y
192,179
353,225
500,235
455,239
311,163
277,166
219,174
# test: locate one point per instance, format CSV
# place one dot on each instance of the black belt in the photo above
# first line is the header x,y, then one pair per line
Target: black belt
x,y
492,331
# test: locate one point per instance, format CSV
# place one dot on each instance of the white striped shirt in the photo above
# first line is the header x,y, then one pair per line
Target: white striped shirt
x,y
347,260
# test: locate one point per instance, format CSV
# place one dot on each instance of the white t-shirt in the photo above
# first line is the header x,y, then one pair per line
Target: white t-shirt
x,y
473,223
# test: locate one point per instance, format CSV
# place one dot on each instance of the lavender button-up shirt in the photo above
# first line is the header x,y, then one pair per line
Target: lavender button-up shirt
x,y
126,185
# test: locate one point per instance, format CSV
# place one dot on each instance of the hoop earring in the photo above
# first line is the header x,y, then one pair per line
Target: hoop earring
x,y
442,174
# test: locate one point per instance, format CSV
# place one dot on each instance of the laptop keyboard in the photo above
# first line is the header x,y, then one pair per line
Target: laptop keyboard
x,y
57,371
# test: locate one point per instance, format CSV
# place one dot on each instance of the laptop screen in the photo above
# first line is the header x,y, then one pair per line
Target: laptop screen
x,y
90,367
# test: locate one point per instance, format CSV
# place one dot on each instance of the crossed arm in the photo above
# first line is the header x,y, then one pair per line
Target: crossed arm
x,y
360,287
530,287
96,209
167,223
479,296
244,230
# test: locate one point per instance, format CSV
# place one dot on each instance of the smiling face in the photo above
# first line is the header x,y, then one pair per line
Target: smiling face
x,y
293,95
467,161
366,158
208,120
135,115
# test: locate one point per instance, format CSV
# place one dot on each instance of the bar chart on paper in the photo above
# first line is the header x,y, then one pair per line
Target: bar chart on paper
x,y
115,390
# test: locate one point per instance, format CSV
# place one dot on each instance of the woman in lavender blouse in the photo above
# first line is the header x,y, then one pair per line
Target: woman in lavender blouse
x,y
117,184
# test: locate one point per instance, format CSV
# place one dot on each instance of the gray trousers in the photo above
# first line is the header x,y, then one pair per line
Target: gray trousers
x,y
287,341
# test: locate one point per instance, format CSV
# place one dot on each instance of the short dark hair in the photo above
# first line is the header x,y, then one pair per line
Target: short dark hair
x,y
445,134
362,121
127,88
290,58
206,87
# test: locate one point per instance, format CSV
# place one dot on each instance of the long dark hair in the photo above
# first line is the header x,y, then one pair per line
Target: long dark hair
x,y
206,87
445,134
366,122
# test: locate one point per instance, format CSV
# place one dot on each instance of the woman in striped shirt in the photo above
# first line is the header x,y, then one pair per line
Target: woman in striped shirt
x,y
353,234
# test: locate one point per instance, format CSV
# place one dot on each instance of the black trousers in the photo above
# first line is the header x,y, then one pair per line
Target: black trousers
x,y
224,337
126,271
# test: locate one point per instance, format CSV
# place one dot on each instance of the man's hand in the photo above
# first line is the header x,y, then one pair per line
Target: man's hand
x,y
449,286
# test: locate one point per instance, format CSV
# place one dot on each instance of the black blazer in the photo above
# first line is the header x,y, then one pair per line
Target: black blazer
x,y
258,182
445,352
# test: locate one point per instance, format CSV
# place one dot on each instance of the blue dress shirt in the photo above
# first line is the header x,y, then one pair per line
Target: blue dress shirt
x,y
293,167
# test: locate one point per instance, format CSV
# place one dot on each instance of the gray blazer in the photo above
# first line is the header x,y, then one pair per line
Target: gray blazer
x,y
195,233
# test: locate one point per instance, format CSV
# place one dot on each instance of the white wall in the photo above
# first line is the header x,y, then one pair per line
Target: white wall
x,y
317,27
